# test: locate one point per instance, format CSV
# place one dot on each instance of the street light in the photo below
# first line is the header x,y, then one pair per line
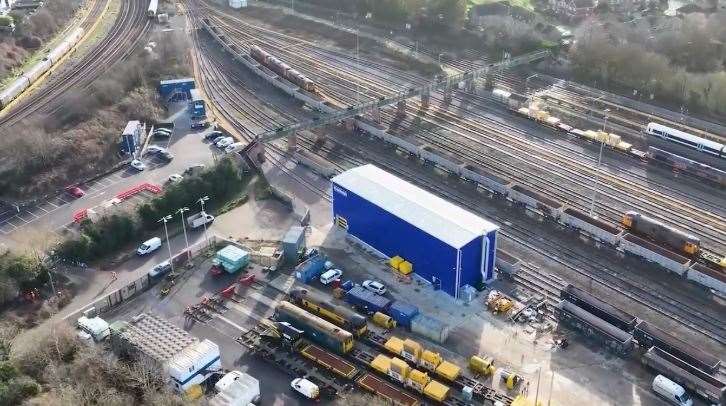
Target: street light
x,y
599,161
181,212
201,202
164,220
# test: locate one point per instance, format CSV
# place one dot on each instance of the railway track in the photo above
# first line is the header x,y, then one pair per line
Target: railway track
x,y
636,290
128,29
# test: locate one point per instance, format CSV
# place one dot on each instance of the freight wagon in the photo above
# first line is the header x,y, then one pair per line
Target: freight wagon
x,y
386,391
654,253
535,201
399,371
649,336
600,230
705,386
282,69
647,227
612,337
597,307
708,277
316,329
507,262
485,179
339,315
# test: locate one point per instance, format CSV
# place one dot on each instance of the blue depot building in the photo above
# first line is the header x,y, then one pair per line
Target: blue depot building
x,y
447,245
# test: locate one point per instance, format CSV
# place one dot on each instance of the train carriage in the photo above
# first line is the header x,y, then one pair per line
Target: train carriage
x,y
712,148
339,315
316,329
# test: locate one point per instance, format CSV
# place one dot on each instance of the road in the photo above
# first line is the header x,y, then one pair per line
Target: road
x,y
31,225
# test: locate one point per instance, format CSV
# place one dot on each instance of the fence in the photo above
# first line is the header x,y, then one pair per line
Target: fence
x,y
144,282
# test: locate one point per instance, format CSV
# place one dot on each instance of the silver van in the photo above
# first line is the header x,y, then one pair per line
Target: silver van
x,y
671,392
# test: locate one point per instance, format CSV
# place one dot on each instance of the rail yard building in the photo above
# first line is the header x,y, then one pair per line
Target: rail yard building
x,y
447,245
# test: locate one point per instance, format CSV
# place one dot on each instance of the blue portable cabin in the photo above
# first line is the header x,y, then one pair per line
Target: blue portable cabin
x,y
402,312
310,268
168,88
447,245
196,104
131,137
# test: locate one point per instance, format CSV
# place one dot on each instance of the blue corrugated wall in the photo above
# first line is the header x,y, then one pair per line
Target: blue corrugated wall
x,y
393,236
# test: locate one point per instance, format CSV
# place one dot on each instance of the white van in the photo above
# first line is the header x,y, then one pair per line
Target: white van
x,y
96,327
672,392
149,246
305,388
331,275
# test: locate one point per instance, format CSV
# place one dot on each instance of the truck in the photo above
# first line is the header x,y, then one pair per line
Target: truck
x,y
199,219
236,388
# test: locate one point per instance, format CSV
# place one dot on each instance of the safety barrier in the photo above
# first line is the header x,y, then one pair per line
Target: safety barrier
x,y
80,215
126,194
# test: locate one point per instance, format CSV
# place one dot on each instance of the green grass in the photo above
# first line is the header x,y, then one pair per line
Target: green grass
x,y
527,4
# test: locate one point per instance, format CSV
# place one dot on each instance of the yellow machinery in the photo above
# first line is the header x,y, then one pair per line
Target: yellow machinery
x,y
395,262
411,350
383,320
481,365
510,378
430,360
401,372
405,268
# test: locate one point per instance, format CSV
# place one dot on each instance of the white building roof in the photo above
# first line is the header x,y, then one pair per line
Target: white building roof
x,y
424,210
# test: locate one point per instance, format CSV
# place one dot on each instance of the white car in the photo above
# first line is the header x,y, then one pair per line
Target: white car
x,y
234,147
224,142
175,178
160,269
374,286
138,165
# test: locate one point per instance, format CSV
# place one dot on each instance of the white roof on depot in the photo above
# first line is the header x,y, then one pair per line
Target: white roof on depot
x,y
424,210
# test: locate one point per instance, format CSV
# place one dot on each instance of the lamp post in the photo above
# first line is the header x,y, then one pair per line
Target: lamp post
x,y
181,212
201,202
597,169
165,220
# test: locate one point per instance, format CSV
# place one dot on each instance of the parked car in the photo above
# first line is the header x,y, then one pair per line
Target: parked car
x,y
199,125
196,168
374,286
75,191
154,149
138,165
330,276
149,246
233,147
213,134
175,178
166,156
160,269
161,133
224,142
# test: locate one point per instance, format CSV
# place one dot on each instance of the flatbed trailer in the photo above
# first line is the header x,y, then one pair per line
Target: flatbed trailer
x,y
381,388
329,361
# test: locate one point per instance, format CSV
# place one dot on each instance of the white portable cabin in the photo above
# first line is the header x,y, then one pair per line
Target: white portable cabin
x,y
236,389
193,365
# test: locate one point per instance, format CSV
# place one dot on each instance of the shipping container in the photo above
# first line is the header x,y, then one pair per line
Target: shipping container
x,y
447,245
430,328
437,391
311,268
194,364
402,312
366,301
292,243
448,371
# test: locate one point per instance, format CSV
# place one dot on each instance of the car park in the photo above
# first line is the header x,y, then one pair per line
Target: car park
x,y
224,142
149,246
175,178
160,269
330,276
138,165
75,191
375,287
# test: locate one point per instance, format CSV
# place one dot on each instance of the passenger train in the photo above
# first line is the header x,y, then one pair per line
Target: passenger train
x,y
712,148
